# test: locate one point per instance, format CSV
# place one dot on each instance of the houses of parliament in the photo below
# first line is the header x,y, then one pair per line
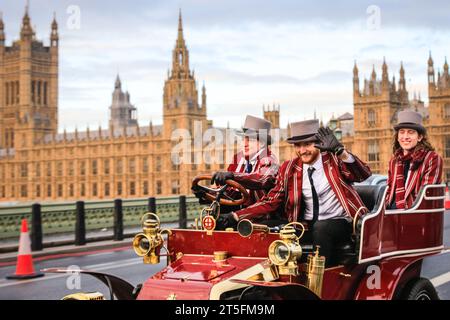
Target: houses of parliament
x,y
125,160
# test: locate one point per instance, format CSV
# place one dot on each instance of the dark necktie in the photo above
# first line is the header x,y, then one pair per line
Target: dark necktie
x,y
314,195
248,167
407,164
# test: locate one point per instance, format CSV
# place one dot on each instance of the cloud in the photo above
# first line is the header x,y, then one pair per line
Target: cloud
x,y
296,53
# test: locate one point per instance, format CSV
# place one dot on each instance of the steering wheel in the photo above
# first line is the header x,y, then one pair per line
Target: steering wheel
x,y
221,191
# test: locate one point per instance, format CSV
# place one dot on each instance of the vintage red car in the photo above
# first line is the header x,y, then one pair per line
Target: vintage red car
x,y
383,260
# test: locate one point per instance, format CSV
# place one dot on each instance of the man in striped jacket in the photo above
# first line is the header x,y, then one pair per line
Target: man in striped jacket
x,y
255,167
315,187
414,163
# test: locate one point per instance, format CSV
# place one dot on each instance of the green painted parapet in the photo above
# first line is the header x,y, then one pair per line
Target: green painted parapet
x,y
60,217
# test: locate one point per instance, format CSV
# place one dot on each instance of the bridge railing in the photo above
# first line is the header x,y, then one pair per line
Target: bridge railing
x,y
59,218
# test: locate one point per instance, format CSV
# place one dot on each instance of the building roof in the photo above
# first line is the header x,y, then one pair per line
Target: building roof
x,y
346,116
105,133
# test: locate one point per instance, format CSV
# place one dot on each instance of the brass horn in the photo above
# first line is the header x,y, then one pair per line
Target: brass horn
x,y
245,228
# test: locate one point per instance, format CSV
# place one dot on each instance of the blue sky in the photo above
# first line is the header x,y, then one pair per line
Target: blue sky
x,y
298,54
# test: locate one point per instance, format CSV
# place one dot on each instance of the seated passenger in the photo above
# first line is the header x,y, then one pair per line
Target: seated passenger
x,y
255,167
314,187
414,162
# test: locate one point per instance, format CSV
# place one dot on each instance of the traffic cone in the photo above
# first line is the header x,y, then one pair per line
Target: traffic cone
x,y
447,199
24,267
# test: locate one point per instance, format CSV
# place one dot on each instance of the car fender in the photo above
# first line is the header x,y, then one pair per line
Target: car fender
x,y
282,290
121,289
385,278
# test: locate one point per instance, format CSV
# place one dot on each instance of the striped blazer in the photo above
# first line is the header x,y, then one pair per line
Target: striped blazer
x,y
261,179
429,172
285,199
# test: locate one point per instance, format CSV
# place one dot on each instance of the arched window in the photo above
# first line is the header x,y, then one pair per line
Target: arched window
x,y
33,91
158,187
175,186
447,110
371,117
39,84
17,92
7,93
447,147
145,188
373,151
12,90
45,93
107,190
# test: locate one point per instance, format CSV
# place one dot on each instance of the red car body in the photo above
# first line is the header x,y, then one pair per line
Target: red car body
x,y
386,256
383,261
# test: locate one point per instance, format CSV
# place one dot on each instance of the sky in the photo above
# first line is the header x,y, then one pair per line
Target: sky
x,y
296,54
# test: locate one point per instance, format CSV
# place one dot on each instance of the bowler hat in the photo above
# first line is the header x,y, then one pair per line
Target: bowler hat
x,y
304,131
411,120
256,128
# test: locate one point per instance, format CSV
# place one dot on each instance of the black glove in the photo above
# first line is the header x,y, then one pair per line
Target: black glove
x,y
200,195
220,177
328,141
226,221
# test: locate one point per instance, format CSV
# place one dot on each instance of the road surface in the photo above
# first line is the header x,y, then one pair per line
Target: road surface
x,y
127,265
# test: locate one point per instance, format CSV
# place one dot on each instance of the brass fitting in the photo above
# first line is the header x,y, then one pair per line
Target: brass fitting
x,y
315,271
285,252
220,256
84,296
148,243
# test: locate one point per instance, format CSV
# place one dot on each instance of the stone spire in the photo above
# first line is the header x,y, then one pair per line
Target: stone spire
x,y
374,74
430,60
180,38
123,113
446,66
203,95
355,80
180,59
26,32
2,30
402,81
54,37
372,82
385,76
118,83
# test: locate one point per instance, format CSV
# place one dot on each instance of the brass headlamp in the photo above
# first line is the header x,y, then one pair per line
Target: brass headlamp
x,y
285,252
148,243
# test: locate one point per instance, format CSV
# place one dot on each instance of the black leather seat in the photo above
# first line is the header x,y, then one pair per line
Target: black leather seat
x,y
372,197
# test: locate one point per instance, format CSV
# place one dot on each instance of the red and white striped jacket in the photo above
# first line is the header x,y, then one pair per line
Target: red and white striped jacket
x,y
428,172
285,199
261,179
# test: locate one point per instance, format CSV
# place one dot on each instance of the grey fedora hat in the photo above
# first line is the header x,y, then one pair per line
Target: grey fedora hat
x,y
411,120
255,127
304,131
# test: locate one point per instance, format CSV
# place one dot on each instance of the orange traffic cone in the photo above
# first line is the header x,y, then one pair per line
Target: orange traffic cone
x,y
447,199
24,267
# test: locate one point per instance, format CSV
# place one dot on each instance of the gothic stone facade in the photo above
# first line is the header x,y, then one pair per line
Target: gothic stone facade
x,y
130,161
122,161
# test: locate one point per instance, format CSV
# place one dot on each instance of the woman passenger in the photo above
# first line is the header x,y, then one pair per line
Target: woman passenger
x,y
414,163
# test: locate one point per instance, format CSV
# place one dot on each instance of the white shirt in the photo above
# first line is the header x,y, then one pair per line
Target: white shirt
x,y
253,160
329,205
